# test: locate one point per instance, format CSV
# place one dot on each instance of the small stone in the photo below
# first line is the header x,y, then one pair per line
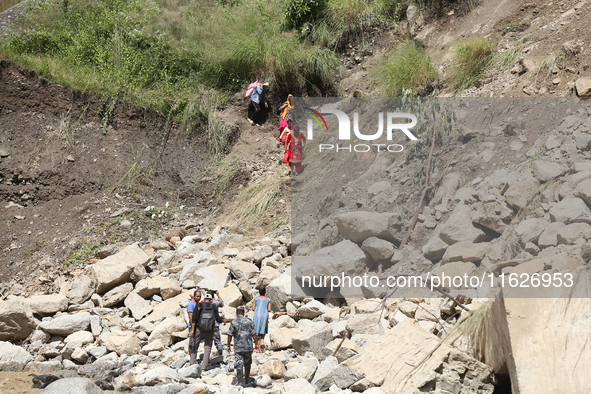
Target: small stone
x,y
70,158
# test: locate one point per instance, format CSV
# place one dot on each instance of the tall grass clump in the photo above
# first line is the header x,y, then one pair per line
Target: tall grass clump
x,y
471,57
257,200
405,70
341,22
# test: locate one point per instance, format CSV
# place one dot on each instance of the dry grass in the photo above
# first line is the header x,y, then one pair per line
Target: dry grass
x,y
6,4
472,330
257,201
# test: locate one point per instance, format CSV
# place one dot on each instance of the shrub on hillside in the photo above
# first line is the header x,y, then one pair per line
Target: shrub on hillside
x,y
470,56
405,70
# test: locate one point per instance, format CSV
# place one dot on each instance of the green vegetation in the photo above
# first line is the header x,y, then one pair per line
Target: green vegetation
x,y
160,53
405,70
335,23
85,252
471,57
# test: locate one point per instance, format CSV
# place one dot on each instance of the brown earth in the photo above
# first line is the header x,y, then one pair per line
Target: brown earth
x,y
64,177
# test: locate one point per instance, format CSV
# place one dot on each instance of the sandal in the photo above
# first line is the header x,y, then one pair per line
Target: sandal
x,y
256,351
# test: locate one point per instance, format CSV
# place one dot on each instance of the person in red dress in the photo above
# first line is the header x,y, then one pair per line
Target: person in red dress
x,y
297,143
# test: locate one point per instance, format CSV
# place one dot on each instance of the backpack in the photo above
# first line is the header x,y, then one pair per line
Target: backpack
x,y
251,88
207,318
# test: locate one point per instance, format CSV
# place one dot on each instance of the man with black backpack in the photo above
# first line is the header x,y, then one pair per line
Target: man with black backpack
x,y
205,316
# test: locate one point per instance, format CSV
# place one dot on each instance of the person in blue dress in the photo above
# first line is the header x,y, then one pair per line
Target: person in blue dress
x,y
261,307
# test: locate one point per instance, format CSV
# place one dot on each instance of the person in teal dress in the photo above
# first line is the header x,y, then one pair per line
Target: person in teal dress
x,y
261,307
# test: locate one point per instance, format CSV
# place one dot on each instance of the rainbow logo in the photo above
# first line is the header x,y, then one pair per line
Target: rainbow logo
x,y
315,115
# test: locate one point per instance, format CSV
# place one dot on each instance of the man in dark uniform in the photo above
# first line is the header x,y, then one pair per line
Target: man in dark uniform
x,y
242,328
205,310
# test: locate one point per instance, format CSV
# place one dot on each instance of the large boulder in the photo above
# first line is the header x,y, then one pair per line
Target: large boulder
x,y
47,304
165,286
409,359
378,249
466,251
459,227
72,386
116,295
529,230
282,290
313,339
297,386
304,370
138,306
190,266
273,368
231,295
166,329
570,210
345,258
545,171
521,191
559,326
116,269
13,358
281,338
359,226
121,342
67,324
266,276
331,372
213,277
16,320
243,271
583,86
81,290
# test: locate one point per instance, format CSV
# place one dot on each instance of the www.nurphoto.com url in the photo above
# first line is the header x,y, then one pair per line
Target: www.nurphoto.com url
x,y
432,282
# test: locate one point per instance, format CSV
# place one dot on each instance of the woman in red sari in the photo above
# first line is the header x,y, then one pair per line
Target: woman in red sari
x,y
297,143
285,138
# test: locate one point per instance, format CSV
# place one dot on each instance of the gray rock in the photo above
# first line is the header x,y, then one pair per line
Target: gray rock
x,y
13,358
569,210
261,253
521,191
305,370
116,295
16,320
190,266
583,86
583,142
243,271
138,306
545,171
156,376
67,324
459,227
263,381
180,363
194,371
166,287
330,372
116,269
377,248
529,230
43,367
47,303
358,226
81,290
298,386
213,277
344,257
312,309
72,386
313,339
